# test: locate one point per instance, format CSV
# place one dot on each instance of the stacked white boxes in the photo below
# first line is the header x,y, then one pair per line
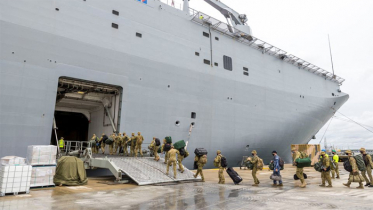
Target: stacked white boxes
x,y
42,176
41,155
43,161
15,175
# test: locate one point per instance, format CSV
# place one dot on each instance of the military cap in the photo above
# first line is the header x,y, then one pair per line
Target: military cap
x,y
362,149
219,152
322,153
254,152
348,152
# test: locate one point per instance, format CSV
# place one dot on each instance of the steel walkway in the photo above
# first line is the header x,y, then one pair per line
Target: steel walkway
x,y
142,170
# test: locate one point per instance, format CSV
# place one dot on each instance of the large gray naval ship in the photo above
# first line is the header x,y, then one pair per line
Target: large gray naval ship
x,y
94,66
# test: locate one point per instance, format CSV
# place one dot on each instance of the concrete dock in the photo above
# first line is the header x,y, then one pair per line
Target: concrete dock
x,y
102,193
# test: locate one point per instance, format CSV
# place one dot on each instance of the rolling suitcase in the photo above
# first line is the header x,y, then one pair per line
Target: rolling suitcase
x,y
234,175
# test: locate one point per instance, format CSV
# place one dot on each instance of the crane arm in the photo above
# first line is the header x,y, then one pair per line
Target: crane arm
x,y
228,12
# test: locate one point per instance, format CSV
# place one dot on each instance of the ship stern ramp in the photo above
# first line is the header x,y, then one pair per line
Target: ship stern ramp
x,y
142,170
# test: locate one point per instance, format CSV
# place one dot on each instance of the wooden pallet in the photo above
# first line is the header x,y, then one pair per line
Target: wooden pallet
x,y
13,193
46,186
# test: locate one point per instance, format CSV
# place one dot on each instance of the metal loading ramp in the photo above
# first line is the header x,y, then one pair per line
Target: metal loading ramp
x,y
142,170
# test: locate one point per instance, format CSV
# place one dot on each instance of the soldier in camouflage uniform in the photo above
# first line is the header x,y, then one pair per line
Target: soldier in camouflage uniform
x,y
254,160
102,143
165,157
155,148
368,164
299,171
180,160
94,141
139,141
217,163
133,144
118,143
201,161
355,171
325,173
125,141
171,156
111,146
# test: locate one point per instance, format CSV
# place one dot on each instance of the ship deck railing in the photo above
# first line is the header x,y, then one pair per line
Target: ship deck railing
x,y
258,44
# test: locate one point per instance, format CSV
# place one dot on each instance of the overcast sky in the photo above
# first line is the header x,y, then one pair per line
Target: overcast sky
x,y
301,27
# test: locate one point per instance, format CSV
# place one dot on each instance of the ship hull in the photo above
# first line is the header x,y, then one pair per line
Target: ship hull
x,y
162,80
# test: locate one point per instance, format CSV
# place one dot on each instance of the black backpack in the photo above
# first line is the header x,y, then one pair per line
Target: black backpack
x,y
157,142
182,152
167,147
223,162
347,166
282,163
104,138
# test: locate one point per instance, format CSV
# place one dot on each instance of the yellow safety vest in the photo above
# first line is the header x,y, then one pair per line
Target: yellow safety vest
x,y
62,143
336,158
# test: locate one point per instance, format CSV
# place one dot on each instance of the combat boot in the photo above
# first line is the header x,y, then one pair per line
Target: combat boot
x,y
338,177
347,185
322,185
280,185
303,185
255,185
329,185
366,185
274,185
361,186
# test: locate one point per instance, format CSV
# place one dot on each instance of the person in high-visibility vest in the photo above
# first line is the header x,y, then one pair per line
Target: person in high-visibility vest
x,y
61,143
336,169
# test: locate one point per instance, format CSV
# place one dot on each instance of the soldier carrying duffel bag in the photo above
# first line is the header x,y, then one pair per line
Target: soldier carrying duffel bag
x,y
299,171
354,174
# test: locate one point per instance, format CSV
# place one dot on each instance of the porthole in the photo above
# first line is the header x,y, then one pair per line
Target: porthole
x,y
177,123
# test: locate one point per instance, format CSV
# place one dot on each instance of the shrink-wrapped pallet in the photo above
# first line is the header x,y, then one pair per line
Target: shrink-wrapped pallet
x,y
15,179
13,161
42,176
41,155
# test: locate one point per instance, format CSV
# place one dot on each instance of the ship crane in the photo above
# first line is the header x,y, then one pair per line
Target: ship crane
x,y
234,18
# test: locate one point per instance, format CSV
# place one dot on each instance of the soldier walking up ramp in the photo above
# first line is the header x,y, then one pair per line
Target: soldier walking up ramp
x,y
143,170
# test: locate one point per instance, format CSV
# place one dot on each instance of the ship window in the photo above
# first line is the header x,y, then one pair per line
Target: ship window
x,y
114,25
194,115
57,9
216,64
245,69
139,35
206,34
246,73
197,53
206,61
227,63
217,38
115,12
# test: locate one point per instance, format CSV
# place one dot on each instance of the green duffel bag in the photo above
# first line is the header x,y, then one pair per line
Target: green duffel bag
x,y
168,139
318,166
360,163
109,141
249,165
160,149
301,163
271,166
179,145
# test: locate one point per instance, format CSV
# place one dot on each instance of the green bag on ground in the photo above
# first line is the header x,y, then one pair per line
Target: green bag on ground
x,y
301,163
70,171
360,163
168,139
180,144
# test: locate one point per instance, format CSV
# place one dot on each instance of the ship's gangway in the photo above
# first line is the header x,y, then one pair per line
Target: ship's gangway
x,y
142,170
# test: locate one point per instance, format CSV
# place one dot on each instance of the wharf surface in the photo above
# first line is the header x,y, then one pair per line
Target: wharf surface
x,y
102,193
